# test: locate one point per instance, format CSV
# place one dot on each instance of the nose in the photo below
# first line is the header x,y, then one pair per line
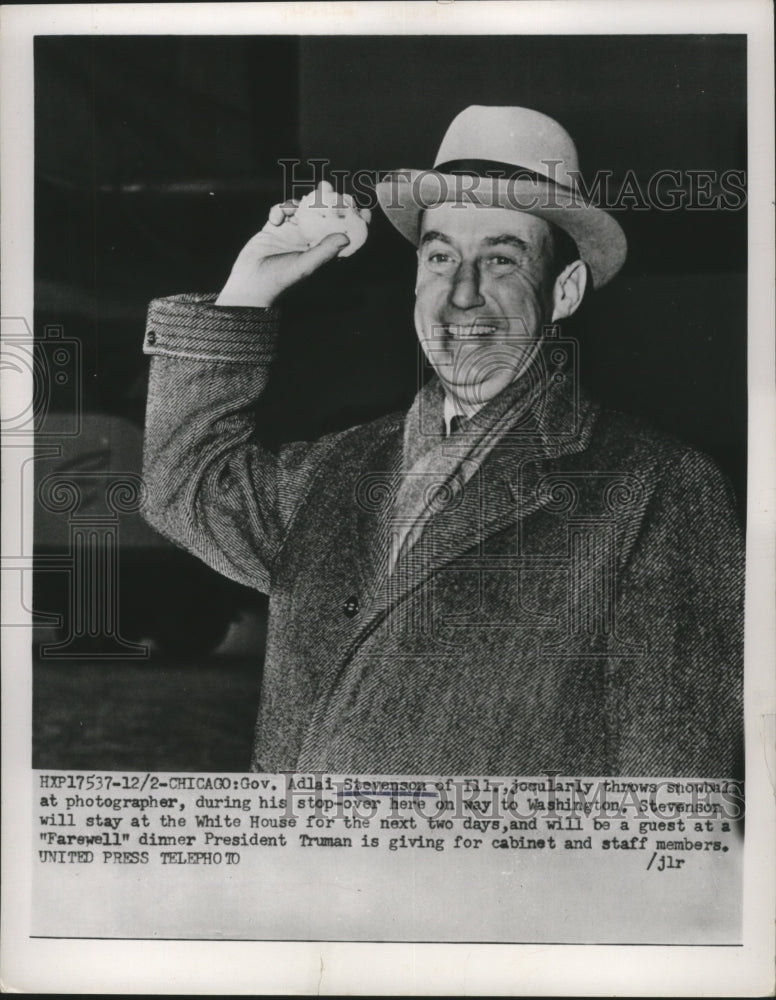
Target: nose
x,y
465,291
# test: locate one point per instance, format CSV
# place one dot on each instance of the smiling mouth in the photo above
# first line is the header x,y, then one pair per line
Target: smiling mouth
x,y
466,331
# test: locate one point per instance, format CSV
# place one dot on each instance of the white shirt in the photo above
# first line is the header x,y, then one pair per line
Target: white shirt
x,y
456,409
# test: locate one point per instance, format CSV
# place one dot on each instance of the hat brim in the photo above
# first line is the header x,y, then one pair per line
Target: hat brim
x,y
405,194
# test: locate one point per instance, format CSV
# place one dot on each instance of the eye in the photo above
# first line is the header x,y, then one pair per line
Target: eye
x,y
439,261
501,260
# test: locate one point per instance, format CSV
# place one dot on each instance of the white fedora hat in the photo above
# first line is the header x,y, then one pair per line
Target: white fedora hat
x,y
508,158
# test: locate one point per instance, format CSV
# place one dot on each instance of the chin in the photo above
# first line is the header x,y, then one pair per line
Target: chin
x,y
474,395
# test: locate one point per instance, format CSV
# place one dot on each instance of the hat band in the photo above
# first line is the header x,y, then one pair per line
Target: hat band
x,y
494,169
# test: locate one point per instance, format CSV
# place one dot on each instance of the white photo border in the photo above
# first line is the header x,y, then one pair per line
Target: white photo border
x,y
405,969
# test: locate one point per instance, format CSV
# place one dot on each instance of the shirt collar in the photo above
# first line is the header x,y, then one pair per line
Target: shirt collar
x,y
545,407
455,409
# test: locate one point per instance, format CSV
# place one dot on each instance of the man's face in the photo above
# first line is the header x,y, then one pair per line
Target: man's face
x,y
483,294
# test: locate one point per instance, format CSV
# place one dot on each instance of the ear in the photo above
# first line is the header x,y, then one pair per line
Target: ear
x,y
569,290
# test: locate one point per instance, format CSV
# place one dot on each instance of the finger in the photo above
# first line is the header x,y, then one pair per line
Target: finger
x,y
366,214
276,215
322,252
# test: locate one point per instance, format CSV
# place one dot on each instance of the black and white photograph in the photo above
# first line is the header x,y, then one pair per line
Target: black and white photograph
x,y
390,459
556,583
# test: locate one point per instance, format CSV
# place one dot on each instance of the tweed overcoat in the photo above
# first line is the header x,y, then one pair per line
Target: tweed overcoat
x,y
561,589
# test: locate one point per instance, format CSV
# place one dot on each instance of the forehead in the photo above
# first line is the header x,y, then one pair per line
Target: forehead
x,y
463,222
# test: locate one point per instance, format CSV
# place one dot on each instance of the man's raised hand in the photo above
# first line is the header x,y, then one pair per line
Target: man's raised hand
x,y
278,257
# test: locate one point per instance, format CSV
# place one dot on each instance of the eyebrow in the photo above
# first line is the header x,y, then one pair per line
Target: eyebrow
x,y
488,241
433,234
492,241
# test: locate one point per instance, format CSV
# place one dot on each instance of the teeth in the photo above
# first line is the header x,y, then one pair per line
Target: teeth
x,y
475,330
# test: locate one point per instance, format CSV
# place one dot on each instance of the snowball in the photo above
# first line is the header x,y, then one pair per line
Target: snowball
x,y
322,212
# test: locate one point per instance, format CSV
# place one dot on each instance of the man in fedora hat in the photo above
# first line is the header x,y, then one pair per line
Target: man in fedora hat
x,y
503,580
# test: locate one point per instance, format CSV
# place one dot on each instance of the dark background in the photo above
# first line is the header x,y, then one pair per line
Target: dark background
x,y
157,157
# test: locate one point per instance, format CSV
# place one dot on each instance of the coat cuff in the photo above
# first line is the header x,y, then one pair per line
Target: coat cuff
x,y
192,326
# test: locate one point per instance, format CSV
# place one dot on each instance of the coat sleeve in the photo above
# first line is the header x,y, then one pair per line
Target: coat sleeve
x,y
675,709
210,486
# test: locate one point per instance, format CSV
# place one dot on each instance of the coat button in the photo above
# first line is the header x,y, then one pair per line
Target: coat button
x,y
351,606
151,338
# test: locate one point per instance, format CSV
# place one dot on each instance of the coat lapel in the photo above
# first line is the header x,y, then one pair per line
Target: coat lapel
x,y
374,492
463,490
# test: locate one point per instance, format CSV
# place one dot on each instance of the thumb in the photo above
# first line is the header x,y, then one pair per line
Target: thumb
x,y
310,260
